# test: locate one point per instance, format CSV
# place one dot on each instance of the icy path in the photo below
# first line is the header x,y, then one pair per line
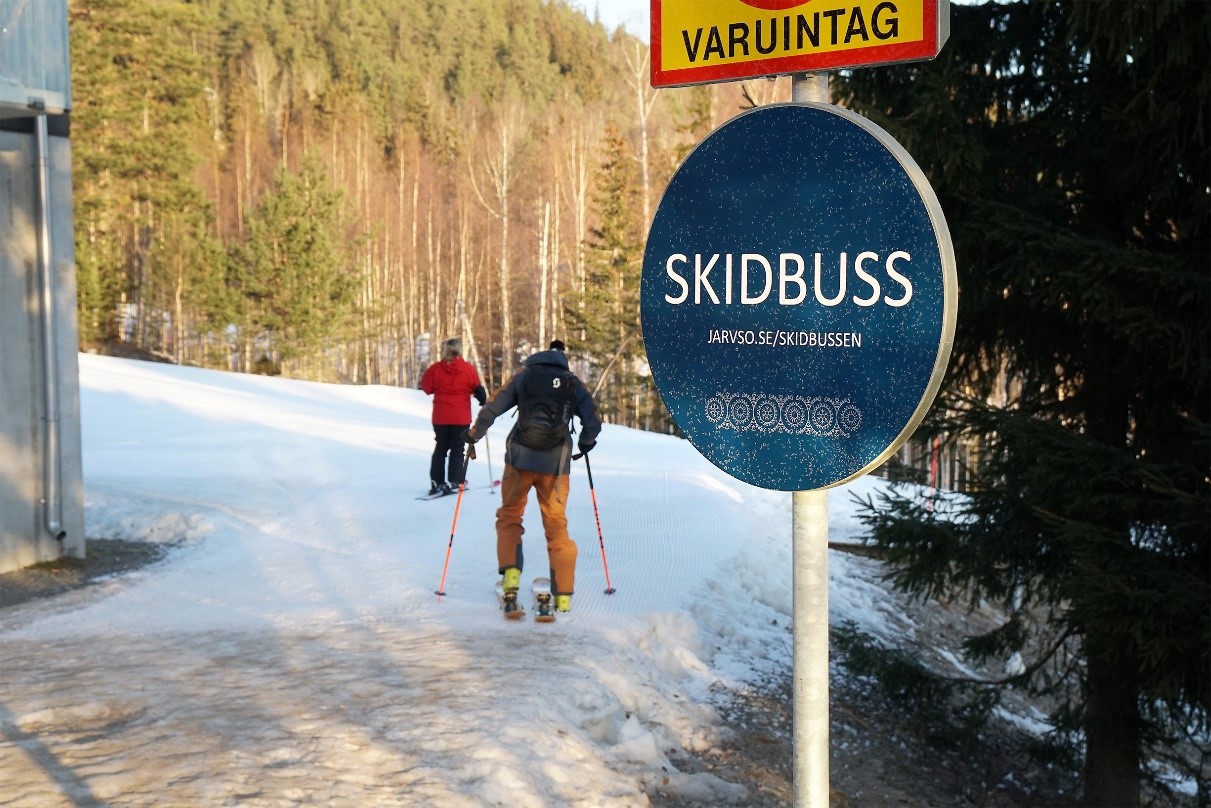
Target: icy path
x,y
356,716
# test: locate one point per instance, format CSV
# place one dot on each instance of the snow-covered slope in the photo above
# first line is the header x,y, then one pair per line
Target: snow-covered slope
x,y
291,648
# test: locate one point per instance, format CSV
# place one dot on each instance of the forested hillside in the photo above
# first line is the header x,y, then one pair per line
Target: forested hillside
x,y
329,188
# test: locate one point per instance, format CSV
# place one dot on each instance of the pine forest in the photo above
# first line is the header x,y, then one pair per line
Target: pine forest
x,y
329,188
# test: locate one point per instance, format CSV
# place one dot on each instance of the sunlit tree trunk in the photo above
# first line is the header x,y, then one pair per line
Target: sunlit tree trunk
x,y
544,270
578,168
412,278
435,335
556,310
404,333
497,168
638,61
460,295
178,309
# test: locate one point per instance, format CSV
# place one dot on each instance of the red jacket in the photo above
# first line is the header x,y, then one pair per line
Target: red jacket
x,y
452,383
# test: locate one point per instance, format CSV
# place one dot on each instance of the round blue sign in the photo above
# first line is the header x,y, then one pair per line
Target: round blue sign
x,y
798,296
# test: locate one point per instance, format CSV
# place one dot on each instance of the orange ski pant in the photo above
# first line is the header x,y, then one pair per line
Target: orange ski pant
x,y
552,493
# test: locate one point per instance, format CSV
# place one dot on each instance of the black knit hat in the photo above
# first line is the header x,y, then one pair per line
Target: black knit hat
x,y
557,345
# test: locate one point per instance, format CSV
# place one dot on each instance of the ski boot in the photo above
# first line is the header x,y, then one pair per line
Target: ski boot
x,y
542,606
509,585
513,610
543,611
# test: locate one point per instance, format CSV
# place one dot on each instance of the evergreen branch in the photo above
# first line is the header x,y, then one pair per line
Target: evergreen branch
x,y
1026,673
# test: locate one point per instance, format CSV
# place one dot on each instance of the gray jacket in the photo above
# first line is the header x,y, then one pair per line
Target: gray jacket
x,y
548,461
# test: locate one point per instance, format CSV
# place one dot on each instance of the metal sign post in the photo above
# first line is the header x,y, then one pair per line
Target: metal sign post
x,y
810,674
809,584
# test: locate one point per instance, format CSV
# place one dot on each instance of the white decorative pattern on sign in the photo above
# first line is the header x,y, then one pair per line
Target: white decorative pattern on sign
x,y
797,415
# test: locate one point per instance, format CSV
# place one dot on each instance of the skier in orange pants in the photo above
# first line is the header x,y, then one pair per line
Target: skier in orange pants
x,y
538,455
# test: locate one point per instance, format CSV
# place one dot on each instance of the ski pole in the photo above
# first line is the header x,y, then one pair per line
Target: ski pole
x,y
441,588
488,452
597,516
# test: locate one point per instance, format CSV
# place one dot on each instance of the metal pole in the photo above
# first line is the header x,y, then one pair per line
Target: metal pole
x,y
810,585
488,452
810,582
609,590
52,500
810,88
441,588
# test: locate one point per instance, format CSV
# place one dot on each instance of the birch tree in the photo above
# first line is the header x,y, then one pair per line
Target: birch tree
x,y
495,169
638,58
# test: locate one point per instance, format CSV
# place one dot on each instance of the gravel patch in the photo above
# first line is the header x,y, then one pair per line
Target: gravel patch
x,y
103,559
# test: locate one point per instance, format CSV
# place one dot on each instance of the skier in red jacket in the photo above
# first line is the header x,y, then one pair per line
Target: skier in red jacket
x,y
451,382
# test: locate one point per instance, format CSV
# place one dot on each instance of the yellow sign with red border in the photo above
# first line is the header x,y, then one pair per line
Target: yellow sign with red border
x,y
702,41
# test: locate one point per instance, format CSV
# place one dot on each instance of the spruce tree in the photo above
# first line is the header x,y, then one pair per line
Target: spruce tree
x,y
142,232
695,116
1068,144
608,312
294,273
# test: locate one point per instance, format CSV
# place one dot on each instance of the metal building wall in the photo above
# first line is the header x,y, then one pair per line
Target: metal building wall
x,y
24,415
35,71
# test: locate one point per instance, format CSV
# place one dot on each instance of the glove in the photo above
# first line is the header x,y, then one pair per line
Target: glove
x,y
469,436
586,446
481,395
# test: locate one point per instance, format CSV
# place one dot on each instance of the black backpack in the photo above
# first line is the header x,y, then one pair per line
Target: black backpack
x,y
544,407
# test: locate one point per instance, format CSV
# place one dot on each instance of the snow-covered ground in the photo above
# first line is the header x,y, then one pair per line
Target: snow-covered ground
x,y
291,649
